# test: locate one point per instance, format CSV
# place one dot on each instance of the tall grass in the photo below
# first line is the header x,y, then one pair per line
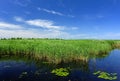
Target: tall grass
x,y
56,50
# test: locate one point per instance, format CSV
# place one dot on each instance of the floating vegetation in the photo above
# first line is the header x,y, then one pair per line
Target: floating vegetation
x,y
23,74
61,72
105,75
97,72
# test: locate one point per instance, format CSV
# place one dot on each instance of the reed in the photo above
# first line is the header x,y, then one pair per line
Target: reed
x,y
55,50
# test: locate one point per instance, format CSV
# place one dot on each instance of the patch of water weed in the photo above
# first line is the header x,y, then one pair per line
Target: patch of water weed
x,y
97,72
105,75
61,72
23,74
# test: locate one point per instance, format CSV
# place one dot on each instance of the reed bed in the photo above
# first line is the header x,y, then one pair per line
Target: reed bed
x,y
57,50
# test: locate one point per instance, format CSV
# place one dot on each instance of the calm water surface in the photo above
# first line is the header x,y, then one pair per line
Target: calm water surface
x,y
12,69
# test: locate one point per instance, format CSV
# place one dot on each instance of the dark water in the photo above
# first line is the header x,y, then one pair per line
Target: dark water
x,y
17,69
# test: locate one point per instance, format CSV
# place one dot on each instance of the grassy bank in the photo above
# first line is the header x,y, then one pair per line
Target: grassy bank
x,y
57,50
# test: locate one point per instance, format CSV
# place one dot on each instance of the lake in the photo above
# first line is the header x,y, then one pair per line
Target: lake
x,y
25,69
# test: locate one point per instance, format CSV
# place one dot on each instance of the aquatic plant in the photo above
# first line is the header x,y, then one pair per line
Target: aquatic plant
x,y
105,75
96,73
23,74
57,50
61,72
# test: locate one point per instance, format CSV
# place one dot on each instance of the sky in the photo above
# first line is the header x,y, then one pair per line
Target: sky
x,y
67,19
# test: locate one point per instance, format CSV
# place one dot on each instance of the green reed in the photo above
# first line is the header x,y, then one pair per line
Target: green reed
x,y
57,50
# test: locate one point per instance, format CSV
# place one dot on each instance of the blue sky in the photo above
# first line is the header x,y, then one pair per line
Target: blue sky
x,y
70,19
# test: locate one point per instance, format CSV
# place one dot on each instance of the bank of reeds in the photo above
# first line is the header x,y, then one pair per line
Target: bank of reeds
x,y
57,50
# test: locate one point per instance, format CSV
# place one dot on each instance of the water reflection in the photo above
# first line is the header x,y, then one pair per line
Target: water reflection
x,y
16,68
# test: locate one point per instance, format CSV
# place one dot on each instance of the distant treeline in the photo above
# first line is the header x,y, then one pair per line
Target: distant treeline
x,y
19,38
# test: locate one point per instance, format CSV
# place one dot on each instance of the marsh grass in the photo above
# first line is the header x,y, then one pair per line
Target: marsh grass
x,y
56,50
61,72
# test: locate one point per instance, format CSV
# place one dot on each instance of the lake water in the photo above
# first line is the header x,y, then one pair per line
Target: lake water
x,y
17,69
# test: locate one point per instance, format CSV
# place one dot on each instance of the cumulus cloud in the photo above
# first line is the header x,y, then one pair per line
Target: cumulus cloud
x,y
8,30
43,24
32,33
18,33
9,25
40,23
48,29
13,30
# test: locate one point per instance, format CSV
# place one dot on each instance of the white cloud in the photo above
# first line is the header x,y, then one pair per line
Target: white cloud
x,y
54,12
17,33
51,11
32,33
19,19
81,36
112,34
9,25
22,3
8,30
49,30
13,30
40,23
43,24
